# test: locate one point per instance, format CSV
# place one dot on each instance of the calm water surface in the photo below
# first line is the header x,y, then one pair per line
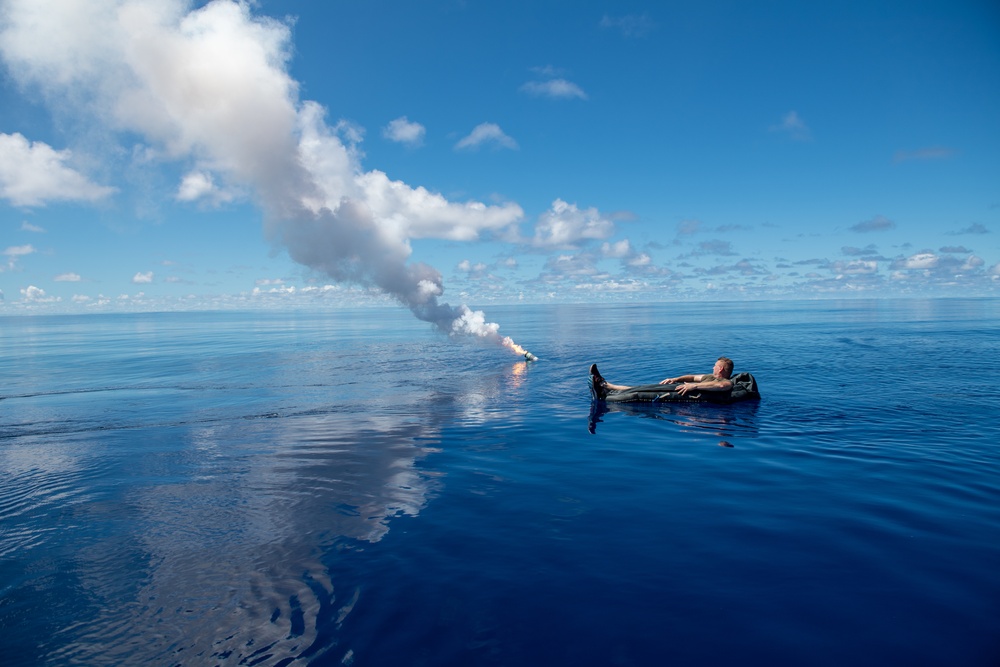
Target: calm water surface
x,y
351,487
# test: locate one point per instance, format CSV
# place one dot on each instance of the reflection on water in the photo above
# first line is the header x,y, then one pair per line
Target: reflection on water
x,y
228,558
725,421
193,523
197,524
518,372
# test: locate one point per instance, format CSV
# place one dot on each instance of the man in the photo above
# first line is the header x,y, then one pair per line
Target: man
x,y
717,380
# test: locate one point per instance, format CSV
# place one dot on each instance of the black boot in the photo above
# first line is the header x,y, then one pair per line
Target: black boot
x,y
598,385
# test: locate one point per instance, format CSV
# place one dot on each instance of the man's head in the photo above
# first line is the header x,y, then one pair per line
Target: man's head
x,y
723,367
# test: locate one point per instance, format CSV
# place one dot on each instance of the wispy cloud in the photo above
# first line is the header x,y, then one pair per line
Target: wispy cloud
x,y
28,227
716,247
793,126
713,247
855,267
693,226
13,253
554,89
868,250
974,228
142,278
19,250
404,131
68,278
931,153
688,227
879,223
560,267
486,134
743,267
630,25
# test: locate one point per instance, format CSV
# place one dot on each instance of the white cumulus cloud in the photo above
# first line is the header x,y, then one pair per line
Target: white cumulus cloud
x,y
403,131
619,249
200,185
473,270
33,173
921,260
32,294
564,226
142,277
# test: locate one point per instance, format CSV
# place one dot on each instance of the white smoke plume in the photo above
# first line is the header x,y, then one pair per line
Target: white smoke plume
x,y
208,88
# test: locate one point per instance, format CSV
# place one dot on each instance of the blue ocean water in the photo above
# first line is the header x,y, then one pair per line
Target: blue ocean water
x,y
352,488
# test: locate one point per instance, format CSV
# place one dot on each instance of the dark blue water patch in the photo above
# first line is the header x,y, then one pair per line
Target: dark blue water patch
x,y
658,564
354,488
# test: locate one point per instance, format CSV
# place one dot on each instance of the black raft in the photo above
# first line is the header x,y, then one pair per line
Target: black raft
x,y
744,389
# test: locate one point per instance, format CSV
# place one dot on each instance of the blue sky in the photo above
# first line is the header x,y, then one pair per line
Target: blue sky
x,y
171,155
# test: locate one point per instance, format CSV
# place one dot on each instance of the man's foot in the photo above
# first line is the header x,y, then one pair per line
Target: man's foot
x,y
596,374
598,385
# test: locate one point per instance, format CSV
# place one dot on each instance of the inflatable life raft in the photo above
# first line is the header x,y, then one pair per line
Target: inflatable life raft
x,y
744,389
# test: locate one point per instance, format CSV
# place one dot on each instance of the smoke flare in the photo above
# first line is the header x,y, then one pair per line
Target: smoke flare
x,y
208,88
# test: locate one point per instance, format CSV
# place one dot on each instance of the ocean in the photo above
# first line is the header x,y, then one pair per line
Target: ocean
x,y
352,487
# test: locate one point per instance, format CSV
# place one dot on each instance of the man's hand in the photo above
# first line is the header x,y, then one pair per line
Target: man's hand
x,y
669,381
685,388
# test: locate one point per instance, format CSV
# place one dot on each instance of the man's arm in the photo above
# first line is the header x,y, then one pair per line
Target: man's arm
x,y
711,385
682,378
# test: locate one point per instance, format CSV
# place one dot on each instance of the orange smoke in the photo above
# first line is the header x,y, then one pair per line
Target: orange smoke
x,y
517,349
509,343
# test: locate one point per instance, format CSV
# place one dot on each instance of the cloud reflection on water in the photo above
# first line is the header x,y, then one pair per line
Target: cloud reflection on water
x,y
230,556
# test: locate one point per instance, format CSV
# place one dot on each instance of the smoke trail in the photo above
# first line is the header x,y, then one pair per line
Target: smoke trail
x,y
209,88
